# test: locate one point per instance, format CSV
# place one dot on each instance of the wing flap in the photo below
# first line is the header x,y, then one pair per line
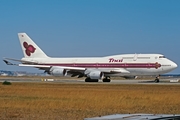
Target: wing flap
x,y
36,66
119,70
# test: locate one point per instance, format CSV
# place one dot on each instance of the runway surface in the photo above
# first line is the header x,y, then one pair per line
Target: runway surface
x,y
80,81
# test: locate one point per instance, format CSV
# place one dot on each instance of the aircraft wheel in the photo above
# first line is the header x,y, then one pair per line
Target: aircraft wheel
x,y
91,80
156,80
96,80
106,80
87,80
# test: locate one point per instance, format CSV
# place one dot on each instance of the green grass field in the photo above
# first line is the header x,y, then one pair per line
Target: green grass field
x,y
57,101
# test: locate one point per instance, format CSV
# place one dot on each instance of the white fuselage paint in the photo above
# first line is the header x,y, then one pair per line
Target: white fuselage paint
x,y
136,64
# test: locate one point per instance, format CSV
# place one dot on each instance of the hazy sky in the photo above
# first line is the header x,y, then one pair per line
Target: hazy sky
x,y
91,28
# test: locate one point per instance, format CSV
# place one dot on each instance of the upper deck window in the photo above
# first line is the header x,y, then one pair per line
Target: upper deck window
x,y
162,57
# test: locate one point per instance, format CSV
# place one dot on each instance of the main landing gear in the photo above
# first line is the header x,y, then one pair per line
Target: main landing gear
x,y
106,79
91,80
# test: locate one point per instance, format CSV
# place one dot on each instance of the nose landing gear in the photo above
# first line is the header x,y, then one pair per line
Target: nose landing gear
x,y
157,79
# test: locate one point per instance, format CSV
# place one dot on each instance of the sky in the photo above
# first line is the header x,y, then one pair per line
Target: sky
x,y
77,28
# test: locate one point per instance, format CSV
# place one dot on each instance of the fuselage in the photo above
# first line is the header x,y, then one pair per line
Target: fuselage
x,y
136,64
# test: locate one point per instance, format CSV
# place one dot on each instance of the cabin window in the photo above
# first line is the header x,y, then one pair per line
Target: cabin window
x,y
162,57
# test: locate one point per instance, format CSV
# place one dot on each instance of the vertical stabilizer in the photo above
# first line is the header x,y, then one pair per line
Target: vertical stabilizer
x,y
29,48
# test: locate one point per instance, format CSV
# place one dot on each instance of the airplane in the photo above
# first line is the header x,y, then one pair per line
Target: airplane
x,y
93,68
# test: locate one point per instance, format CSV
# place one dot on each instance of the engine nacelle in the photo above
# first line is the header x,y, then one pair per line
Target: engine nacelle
x,y
55,71
96,75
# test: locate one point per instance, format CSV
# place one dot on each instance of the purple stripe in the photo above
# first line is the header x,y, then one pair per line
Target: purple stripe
x,y
108,65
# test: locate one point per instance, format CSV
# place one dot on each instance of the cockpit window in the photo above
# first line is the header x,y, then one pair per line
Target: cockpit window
x,y
162,57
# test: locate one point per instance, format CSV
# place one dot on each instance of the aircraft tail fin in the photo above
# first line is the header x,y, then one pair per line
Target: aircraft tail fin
x,y
30,49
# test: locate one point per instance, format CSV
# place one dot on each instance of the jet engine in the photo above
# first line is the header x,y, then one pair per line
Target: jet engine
x,y
56,71
95,75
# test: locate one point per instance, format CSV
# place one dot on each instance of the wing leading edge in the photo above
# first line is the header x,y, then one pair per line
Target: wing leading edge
x,y
81,70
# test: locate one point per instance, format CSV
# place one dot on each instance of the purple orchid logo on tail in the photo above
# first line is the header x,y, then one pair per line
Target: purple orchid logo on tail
x,y
29,49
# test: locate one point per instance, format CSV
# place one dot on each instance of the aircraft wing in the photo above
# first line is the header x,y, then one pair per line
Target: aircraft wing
x,y
47,66
115,70
74,71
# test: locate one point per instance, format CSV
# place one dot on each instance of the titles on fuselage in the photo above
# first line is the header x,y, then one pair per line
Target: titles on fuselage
x,y
112,60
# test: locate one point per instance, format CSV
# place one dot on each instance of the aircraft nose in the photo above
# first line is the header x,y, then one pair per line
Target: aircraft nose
x,y
174,65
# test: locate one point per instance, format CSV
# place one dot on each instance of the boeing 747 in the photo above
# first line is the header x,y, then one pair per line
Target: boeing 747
x,y
93,68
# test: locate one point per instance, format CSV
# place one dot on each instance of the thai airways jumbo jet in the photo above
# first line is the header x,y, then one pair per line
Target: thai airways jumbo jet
x,y
93,68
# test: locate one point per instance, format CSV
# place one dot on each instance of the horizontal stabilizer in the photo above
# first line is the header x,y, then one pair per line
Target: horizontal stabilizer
x,y
8,63
22,61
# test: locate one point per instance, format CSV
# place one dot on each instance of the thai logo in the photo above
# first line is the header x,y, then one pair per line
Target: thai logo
x,y
112,60
157,65
29,49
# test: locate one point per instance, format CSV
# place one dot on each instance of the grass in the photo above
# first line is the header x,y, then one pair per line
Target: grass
x,y
77,101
